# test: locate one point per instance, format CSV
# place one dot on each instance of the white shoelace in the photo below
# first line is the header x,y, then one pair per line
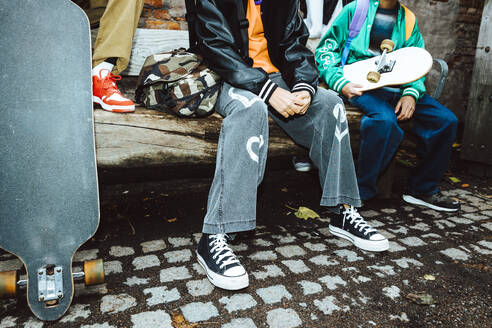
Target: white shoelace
x,y
222,250
357,220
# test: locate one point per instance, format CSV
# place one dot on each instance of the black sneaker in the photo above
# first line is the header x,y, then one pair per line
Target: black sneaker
x,y
352,226
219,262
437,202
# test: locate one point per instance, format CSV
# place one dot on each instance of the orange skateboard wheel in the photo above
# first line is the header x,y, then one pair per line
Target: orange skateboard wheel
x,y
373,77
8,284
93,272
387,45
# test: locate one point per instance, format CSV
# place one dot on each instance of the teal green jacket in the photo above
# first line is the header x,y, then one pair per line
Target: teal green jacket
x,y
330,48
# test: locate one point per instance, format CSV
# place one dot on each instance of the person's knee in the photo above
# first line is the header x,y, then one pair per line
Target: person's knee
x,y
450,121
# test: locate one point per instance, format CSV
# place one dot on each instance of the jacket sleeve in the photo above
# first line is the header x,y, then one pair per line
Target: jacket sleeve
x,y
415,89
217,46
299,67
330,48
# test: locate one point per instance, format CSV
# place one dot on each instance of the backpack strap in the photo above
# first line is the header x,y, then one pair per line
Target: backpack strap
x,y
409,22
190,17
355,26
243,27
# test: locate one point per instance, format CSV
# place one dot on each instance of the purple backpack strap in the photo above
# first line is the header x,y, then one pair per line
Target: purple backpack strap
x,y
355,26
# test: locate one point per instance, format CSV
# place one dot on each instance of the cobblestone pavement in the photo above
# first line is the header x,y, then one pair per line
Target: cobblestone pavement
x,y
300,276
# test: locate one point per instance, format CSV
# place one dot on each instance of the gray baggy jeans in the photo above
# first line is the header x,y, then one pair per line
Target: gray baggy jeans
x,y
242,153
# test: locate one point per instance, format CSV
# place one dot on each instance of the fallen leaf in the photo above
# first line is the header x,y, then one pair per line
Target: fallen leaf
x,y
429,277
421,298
456,145
172,220
180,322
306,213
405,163
465,185
454,180
284,190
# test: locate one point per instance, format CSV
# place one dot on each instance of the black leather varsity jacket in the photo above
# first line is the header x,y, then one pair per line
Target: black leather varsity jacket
x,y
223,42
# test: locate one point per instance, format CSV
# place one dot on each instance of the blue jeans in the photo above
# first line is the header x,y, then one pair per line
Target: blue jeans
x,y
434,125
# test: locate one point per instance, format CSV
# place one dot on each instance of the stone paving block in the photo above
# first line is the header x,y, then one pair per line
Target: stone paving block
x,y
433,213
392,292
81,256
136,281
239,247
149,319
263,256
383,270
408,208
310,287
475,216
348,255
271,271
174,273
455,254
402,317
412,241
405,262
179,241
144,262
401,230
199,311
197,236
369,214
112,267
263,243
117,303
395,247
283,318
327,305
386,233
198,269
389,210
76,312
273,294
339,242
238,302
98,325
485,243
481,250
199,287
431,235
323,260
11,265
421,226
316,247
119,251
35,323
183,255
350,269
8,322
153,246
285,239
467,208
332,282
459,220
161,295
296,266
290,251
240,323
487,225
361,279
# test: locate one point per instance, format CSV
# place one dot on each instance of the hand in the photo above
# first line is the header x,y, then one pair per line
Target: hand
x,y
303,99
405,108
284,102
350,90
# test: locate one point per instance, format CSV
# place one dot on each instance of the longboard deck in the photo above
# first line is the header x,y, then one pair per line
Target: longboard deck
x,y
48,175
412,63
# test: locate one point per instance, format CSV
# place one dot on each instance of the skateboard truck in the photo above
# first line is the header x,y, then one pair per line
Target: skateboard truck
x,y
383,66
50,284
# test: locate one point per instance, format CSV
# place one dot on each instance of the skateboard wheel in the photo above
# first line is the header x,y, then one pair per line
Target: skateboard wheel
x,y
387,45
93,272
373,77
8,284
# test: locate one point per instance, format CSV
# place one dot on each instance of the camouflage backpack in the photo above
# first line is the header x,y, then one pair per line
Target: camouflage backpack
x,y
178,81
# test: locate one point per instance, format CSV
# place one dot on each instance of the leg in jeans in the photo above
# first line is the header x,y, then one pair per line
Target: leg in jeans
x,y
324,131
435,127
241,158
380,137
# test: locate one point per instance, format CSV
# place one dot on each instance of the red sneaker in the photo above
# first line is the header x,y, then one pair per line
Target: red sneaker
x,y
105,92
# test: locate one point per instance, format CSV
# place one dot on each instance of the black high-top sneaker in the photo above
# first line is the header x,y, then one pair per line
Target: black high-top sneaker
x,y
219,262
437,202
349,224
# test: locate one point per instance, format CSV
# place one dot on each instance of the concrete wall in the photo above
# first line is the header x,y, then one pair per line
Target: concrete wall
x,y
450,29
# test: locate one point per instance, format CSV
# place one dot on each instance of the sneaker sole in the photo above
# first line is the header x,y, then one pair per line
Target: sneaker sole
x,y
228,283
416,201
372,245
115,109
